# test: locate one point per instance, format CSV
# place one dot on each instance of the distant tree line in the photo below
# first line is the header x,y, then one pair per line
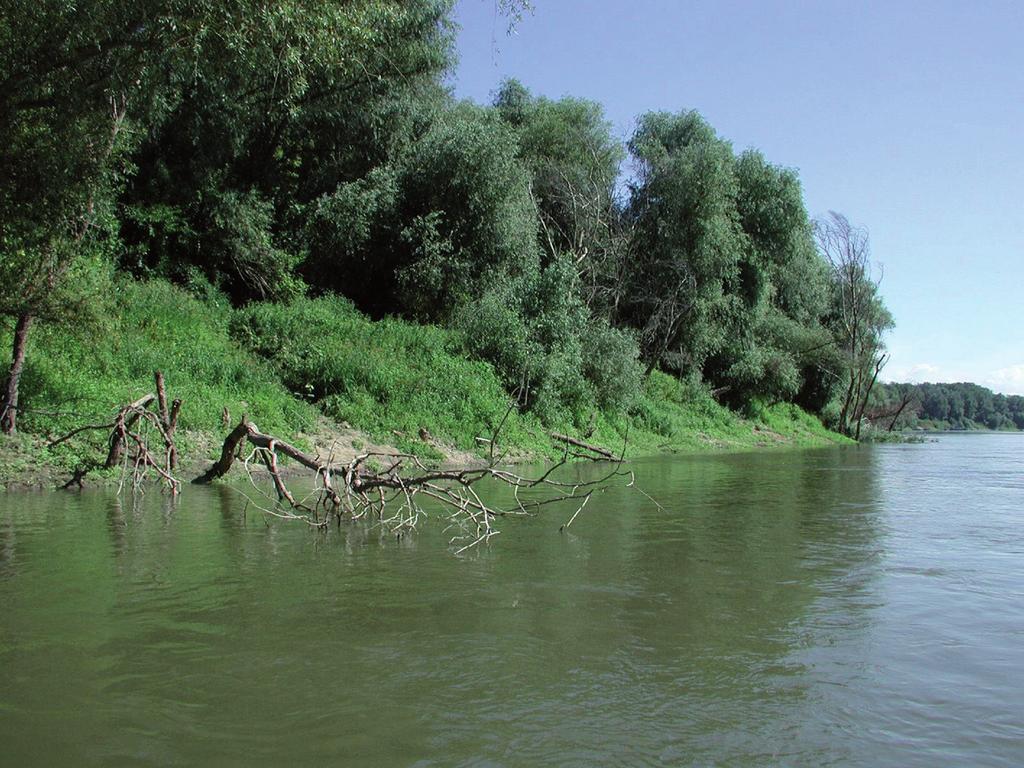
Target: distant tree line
x,y
272,151
945,406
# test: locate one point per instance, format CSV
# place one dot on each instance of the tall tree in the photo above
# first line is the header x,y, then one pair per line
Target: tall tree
x,y
780,293
859,317
317,95
434,228
71,79
687,239
215,91
574,161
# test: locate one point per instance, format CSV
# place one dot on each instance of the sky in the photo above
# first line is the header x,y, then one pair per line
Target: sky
x,y
907,117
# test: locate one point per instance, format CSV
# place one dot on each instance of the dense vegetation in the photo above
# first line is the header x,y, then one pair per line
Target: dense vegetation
x,y
945,406
395,257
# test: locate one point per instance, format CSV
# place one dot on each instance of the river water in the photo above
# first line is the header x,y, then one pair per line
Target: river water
x,y
850,606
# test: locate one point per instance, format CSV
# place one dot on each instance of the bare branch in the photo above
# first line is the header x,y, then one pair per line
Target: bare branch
x,y
366,491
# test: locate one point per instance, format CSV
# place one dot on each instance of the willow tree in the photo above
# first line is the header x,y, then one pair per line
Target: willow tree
x,y
779,294
686,242
433,229
859,318
312,96
69,78
574,159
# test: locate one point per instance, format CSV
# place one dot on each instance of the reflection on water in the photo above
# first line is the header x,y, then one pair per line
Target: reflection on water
x,y
848,606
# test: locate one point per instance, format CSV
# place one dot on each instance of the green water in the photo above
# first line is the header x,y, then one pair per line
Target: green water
x,y
855,606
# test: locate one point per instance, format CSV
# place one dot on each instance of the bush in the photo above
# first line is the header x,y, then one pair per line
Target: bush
x,y
537,333
611,364
432,230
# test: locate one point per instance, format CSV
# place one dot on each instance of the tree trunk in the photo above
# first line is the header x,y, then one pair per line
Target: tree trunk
x,y
603,452
9,416
671,336
879,364
904,402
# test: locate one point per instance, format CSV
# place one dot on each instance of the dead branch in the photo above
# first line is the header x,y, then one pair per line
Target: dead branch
x,y
171,428
905,401
227,454
168,419
161,396
125,420
604,452
358,490
129,441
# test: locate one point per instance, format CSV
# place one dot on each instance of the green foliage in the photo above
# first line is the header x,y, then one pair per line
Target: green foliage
x,y
283,102
781,290
249,151
727,281
320,356
573,160
435,228
781,263
687,241
944,406
79,375
858,318
610,365
559,362
381,376
681,415
237,237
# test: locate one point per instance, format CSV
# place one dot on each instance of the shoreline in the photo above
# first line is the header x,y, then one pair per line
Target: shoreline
x,y
26,467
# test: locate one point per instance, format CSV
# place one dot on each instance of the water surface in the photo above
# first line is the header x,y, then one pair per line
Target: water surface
x,y
855,606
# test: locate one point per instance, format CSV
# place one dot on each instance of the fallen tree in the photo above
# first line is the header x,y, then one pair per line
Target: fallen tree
x,y
384,486
130,438
387,486
604,453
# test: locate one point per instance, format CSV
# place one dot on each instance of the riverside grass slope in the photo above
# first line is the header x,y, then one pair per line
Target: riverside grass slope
x,y
323,374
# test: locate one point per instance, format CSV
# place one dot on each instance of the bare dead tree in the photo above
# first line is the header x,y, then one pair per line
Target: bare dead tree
x,y
908,400
860,317
168,420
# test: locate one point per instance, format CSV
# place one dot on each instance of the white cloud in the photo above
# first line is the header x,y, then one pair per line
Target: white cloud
x,y
1009,380
923,372
915,374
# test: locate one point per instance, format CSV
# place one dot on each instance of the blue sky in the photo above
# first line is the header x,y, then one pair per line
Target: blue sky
x,y
908,117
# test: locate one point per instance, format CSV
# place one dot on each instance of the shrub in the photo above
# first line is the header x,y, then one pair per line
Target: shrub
x,y
611,364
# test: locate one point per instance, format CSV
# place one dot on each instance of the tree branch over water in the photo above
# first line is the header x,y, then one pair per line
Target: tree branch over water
x,y
388,486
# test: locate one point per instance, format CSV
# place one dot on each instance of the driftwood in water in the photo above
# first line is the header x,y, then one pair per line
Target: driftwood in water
x,y
168,419
603,452
129,444
358,489
247,431
123,422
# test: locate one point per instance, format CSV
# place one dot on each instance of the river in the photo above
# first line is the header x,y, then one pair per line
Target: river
x,y
848,606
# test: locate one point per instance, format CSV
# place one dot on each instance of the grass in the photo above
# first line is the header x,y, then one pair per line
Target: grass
x,y
675,416
383,377
75,376
290,366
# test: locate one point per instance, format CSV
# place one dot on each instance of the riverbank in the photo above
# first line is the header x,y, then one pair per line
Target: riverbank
x,y
27,462
324,376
